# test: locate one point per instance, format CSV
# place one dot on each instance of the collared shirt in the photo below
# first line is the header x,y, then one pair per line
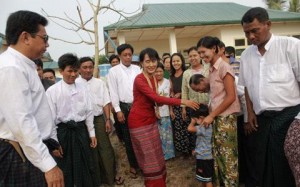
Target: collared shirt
x,y
25,115
120,83
272,80
71,102
98,91
217,89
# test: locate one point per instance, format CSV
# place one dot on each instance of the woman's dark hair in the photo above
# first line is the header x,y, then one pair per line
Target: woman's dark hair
x,y
182,65
122,48
201,111
85,59
196,79
21,21
152,53
209,42
68,59
194,48
160,65
113,56
258,13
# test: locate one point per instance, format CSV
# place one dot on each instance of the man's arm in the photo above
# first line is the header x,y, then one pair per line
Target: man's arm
x,y
90,118
251,114
113,90
106,108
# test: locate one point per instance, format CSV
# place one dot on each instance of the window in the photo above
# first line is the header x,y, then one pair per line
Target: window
x,y
240,45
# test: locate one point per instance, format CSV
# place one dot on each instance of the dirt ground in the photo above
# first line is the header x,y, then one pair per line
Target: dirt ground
x,y
180,170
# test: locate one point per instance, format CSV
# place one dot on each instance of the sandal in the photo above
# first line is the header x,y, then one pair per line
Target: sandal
x,y
119,180
133,174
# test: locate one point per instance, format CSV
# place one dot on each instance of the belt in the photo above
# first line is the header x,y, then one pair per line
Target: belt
x,y
17,147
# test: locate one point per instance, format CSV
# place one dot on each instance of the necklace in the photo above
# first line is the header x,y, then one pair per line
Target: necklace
x,y
156,88
149,82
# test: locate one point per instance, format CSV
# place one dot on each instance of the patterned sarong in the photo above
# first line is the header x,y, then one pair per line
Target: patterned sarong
x,y
76,163
104,155
166,136
270,162
147,147
225,150
15,172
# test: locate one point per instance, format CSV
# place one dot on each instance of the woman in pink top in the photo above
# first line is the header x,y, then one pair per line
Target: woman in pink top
x,y
224,106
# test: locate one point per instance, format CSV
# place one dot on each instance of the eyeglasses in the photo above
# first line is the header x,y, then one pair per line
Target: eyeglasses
x,y
45,37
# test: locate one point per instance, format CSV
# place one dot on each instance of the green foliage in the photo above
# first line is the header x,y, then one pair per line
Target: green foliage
x,y
274,4
294,6
277,5
102,59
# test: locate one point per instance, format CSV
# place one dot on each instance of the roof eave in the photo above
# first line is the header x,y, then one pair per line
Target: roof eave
x,y
191,24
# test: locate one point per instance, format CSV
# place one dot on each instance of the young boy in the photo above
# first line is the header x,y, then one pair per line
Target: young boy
x,y
203,151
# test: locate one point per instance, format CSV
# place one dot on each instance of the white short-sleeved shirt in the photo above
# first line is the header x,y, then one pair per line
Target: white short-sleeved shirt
x,y
272,80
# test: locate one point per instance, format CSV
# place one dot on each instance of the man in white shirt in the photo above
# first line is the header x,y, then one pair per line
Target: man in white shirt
x,y
270,72
120,82
104,156
72,113
25,116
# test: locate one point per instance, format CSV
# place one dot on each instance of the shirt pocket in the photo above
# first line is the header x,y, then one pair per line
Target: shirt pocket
x,y
278,73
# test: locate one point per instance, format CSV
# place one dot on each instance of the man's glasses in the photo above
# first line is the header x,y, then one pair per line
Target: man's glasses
x,y
45,37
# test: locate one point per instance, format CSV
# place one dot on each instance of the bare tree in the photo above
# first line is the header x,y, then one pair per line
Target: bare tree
x,y
84,24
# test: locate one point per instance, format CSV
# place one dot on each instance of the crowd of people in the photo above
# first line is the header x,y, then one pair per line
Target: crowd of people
x,y
239,119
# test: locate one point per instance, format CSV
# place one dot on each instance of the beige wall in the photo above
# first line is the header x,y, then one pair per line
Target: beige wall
x,y
163,45
227,33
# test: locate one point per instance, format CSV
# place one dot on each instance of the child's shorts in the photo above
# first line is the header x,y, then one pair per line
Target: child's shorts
x,y
204,170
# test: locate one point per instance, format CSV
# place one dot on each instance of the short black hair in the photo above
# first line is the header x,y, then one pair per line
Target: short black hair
x,y
258,13
230,50
122,47
152,53
68,59
85,59
46,70
113,56
201,111
209,42
21,21
194,48
160,65
195,79
38,62
165,55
